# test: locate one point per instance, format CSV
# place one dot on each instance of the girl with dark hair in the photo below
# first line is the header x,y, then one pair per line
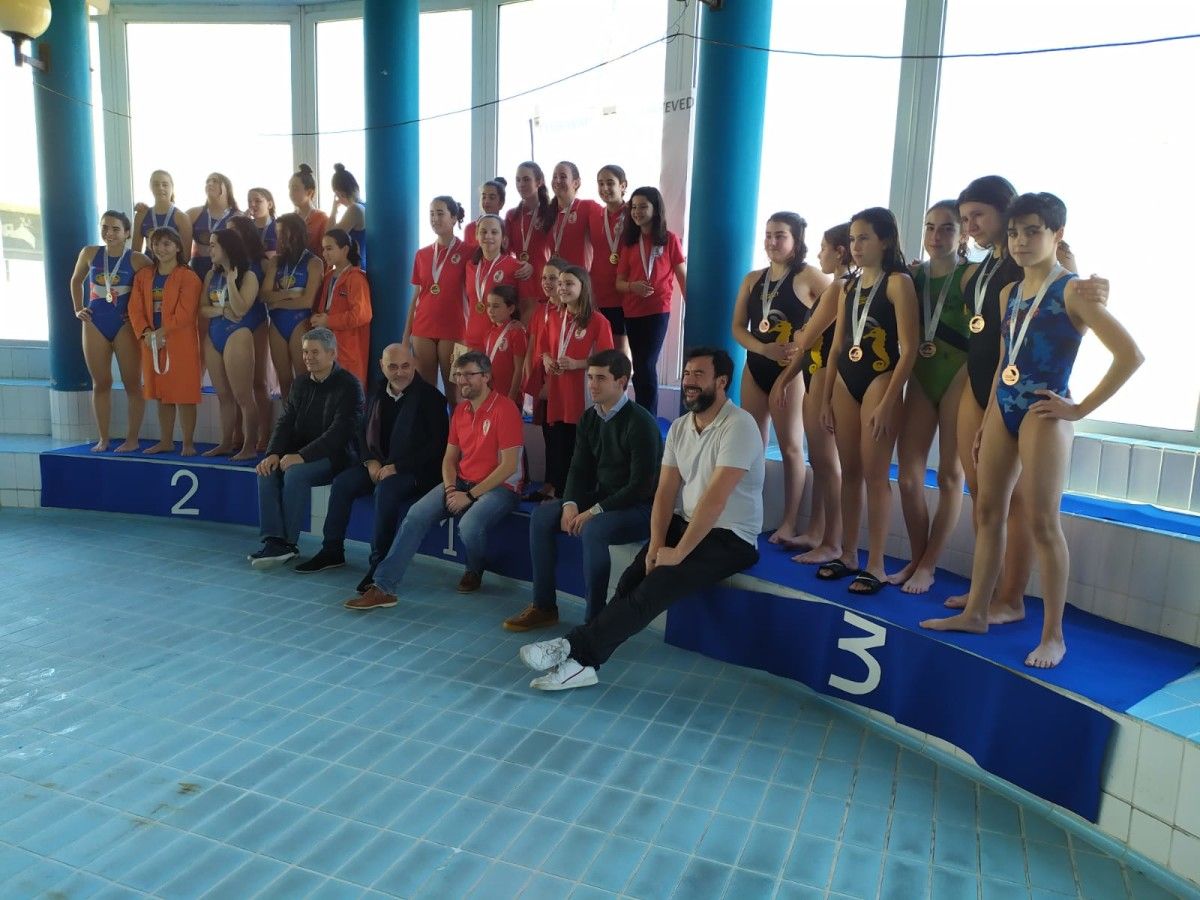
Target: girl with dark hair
x,y
354,212
932,399
438,311
568,226
219,206
487,267
506,343
526,237
491,203
573,333
163,313
107,271
608,223
344,303
260,207
535,373
772,306
292,280
875,344
302,190
163,213
651,262
257,254
229,302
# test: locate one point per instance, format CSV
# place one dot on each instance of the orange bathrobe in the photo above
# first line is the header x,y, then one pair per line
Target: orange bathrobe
x,y
180,307
349,310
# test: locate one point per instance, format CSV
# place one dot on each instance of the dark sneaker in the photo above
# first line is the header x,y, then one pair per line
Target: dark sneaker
x,y
273,554
470,582
325,559
374,598
530,618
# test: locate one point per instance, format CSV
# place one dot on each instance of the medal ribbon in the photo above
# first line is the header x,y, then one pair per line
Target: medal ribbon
x,y
110,292
648,265
609,237
561,225
480,294
491,350
438,266
985,277
332,288
860,318
933,316
768,296
1017,338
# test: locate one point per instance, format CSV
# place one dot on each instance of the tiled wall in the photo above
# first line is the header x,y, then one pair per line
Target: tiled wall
x,y
20,480
23,361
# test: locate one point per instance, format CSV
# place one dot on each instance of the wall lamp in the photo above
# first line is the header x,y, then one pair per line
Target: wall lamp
x,y
24,20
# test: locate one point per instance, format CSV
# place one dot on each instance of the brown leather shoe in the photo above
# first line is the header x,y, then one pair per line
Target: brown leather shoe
x,y
531,617
470,582
374,598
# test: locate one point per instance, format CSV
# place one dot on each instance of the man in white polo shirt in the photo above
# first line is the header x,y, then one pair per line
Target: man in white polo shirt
x,y
703,527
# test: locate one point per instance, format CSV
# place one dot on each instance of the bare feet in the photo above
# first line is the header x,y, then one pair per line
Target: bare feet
x,y
161,447
818,555
129,446
961,622
783,535
100,446
919,582
1003,614
247,453
805,541
1047,654
188,450
958,601
904,574
219,450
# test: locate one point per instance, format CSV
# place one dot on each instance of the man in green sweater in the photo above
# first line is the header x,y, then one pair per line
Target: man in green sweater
x,y
614,472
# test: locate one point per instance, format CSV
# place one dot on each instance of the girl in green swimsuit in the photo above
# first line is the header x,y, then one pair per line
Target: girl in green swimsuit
x,y
932,397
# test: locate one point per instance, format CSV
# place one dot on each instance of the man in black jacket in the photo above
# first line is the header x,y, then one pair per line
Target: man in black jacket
x,y
401,445
312,442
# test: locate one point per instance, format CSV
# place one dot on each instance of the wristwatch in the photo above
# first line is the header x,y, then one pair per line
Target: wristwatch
x,y
595,510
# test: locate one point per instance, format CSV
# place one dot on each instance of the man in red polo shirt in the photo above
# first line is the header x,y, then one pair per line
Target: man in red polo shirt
x,y
481,476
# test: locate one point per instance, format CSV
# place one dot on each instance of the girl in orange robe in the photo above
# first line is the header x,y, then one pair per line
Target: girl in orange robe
x,y
344,303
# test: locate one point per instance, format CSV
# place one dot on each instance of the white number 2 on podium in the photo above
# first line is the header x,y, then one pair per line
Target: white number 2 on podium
x,y
179,509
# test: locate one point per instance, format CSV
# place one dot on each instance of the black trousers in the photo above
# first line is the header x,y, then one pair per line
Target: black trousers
x,y
560,447
640,598
390,494
646,335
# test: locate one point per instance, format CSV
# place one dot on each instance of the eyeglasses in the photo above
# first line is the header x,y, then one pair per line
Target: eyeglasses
x,y
461,375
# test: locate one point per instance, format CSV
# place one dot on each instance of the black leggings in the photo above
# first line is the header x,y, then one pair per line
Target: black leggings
x,y
646,335
560,447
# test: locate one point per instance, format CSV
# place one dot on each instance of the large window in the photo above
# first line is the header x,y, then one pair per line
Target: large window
x,y
610,115
1110,131
830,123
234,116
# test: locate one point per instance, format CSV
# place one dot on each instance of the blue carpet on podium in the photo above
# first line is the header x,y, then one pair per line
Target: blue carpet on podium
x,y
1113,664
86,450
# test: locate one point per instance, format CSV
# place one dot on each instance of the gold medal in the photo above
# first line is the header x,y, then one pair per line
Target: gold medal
x,y
613,257
523,256
855,353
479,307
927,349
436,289
976,324
1011,375
764,326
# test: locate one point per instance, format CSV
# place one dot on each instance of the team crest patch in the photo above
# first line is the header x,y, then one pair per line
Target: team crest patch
x,y
456,258
287,282
503,343
487,426
580,334
498,277
572,217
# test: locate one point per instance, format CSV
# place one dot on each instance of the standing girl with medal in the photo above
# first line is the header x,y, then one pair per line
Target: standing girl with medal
x,y
438,311
302,190
260,206
875,344
932,400
526,237
488,267
353,220
573,333
163,313
219,206
491,202
535,370
107,272
506,343
292,280
772,306
163,214
569,224
1027,428
229,303
608,222
257,254
344,303
651,262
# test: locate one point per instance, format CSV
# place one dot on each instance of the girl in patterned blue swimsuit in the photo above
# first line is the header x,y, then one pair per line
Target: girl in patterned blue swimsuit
x,y
100,288
1028,420
293,278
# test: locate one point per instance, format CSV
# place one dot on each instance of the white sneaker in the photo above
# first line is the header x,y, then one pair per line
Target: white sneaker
x,y
566,675
545,654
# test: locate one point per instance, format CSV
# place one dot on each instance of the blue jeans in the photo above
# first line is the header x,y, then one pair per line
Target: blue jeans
x,y
473,527
621,526
283,497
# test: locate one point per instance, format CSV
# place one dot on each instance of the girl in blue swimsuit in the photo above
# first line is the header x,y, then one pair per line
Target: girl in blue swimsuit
x,y
162,214
260,207
263,378
353,219
229,303
220,205
100,288
1027,425
293,279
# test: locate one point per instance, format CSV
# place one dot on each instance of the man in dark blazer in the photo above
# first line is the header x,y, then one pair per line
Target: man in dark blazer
x,y
401,445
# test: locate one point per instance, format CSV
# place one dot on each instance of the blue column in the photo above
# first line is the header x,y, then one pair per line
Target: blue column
x,y
727,147
67,179
391,35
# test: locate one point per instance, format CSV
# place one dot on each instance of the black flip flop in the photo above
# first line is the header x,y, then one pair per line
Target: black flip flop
x,y
833,571
872,584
